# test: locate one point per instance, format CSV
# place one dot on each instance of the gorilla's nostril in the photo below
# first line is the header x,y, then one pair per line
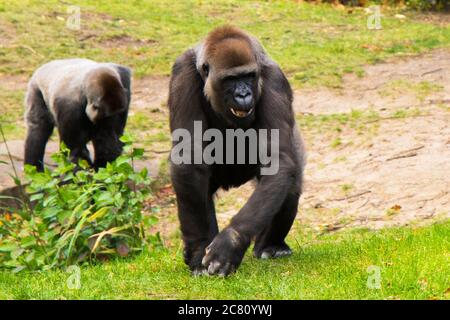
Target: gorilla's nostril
x,y
243,99
243,95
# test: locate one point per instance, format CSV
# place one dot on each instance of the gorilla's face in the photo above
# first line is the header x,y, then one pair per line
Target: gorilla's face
x,y
103,107
105,98
233,93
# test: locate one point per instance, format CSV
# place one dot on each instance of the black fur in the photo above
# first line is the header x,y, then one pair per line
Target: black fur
x,y
269,213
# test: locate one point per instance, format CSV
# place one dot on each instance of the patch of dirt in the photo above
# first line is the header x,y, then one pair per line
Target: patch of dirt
x,y
7,33
405,166
13,82
372,90
97,16
125,41
150,93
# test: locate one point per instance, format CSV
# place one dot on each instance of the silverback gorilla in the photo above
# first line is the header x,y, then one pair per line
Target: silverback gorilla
x,y
229,82
86,100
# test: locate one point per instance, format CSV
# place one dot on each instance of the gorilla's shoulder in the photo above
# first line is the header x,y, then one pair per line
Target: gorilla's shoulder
x,y
185,62
124,72
121,69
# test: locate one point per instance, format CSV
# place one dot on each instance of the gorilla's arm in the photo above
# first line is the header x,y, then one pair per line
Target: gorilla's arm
x,y
40,124
275,112
191,181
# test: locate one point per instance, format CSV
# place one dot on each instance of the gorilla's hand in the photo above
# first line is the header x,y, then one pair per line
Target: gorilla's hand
x,y
225,253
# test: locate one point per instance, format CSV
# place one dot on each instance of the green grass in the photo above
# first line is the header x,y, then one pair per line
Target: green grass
x,y
414,264
315,44
11,115
361,125
421,89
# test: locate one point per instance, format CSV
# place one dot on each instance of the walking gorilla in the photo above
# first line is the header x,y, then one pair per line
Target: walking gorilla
x,y
86,100
226,82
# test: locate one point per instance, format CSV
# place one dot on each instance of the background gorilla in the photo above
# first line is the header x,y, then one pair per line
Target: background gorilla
x,y
86,100
229,82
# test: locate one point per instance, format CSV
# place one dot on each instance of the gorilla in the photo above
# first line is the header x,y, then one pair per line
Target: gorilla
x,y
86,101
229,82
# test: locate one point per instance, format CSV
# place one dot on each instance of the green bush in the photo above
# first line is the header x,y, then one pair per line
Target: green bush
x,y
414,4
77,214
428,4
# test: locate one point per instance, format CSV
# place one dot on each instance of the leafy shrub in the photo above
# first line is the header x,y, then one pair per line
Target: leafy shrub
x,y
428,4
78,214
414,4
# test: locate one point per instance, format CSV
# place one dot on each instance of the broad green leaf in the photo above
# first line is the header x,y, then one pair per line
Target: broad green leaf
x,y
100,213
8,247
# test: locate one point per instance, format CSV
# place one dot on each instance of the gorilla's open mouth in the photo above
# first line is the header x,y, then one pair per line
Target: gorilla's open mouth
x,y
241,113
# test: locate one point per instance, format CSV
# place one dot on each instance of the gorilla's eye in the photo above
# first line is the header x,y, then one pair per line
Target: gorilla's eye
x,y
205,69
251,75
96,107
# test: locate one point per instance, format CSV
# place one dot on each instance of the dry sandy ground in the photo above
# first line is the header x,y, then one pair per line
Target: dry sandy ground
x,y
378,88
402,173
397,173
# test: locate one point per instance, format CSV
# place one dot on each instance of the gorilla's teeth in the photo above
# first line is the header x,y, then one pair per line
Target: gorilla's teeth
x,y
241,114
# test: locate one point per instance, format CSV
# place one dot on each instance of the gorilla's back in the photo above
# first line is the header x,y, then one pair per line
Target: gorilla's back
x,y
62,78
